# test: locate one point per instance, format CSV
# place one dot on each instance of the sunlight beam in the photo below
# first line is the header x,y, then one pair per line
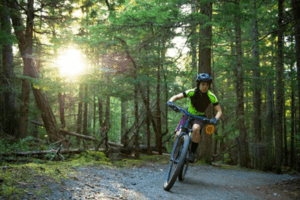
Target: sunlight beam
x,y
71,63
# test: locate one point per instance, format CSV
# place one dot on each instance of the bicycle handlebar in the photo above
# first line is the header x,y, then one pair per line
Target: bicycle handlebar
x,y
176,108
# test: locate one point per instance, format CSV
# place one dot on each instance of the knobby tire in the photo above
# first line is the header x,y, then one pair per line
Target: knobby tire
x,y
179,152
184,168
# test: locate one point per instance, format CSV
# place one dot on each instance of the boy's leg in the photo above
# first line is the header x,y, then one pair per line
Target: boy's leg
x,y
195,141
182,122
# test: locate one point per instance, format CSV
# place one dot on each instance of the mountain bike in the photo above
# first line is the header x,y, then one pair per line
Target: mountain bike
x,y
178,164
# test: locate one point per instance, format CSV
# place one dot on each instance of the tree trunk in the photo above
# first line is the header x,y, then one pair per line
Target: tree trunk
x,y
296,13
94,111
100,111
10,122
158,111
136,115
285,138
193,44
256,91
148,120
25,46
107,124
124,138
107,113
47,115
149,112
85,113
61,102
79,115
163,72
279,90
268,164
292,120
205,65
24,109
244,162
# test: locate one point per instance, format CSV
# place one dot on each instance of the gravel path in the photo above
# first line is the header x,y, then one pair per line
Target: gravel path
x,y
202,182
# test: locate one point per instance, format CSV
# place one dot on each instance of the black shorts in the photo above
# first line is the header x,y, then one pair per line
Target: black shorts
x,y
195,121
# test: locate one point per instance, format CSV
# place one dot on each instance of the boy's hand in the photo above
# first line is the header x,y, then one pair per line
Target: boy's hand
x,y
213,121
172,105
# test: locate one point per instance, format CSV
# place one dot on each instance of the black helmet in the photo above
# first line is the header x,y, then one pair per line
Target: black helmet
x,y
204,77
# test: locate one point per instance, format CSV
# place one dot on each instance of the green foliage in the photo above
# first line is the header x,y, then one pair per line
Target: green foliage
x,y
227,159
25,144
200,162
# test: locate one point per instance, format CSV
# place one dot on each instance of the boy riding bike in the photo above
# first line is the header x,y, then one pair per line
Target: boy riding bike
x,y
200,98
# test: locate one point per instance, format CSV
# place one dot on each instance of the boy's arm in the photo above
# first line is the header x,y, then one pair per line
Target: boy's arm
x,y
176,97
219,111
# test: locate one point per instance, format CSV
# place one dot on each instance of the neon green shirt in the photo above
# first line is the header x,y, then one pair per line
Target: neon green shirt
x,y
199,103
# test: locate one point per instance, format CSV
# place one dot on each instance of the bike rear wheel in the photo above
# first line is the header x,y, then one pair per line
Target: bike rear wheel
x,y
177,161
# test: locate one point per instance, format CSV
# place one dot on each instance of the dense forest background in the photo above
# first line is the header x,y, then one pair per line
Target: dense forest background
x,y
95,73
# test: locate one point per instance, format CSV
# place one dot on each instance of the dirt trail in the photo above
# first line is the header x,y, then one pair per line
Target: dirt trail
x,y
202,182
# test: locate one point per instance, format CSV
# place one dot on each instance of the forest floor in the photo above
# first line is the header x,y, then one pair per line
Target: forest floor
x,y
139,179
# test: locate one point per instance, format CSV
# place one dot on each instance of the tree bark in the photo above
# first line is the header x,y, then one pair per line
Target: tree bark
x,y
158,110
268,164
136,114
10,122
244,162
47,115
286,156
100,111
25,46
107,124
40,152
79,115
193,44
107,113
61,102
85,114
94,111
296,14
205,65
148,119
256,91
292,120
124,140
149,112
279,90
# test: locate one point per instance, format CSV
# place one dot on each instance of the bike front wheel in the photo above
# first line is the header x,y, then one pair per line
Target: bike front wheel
x,y
177,161
184,168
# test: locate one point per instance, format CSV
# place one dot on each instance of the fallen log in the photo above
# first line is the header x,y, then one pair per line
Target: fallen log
x,y
157,153
40,152
16,160
38,123
58,153
85,137
99,143
121,147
